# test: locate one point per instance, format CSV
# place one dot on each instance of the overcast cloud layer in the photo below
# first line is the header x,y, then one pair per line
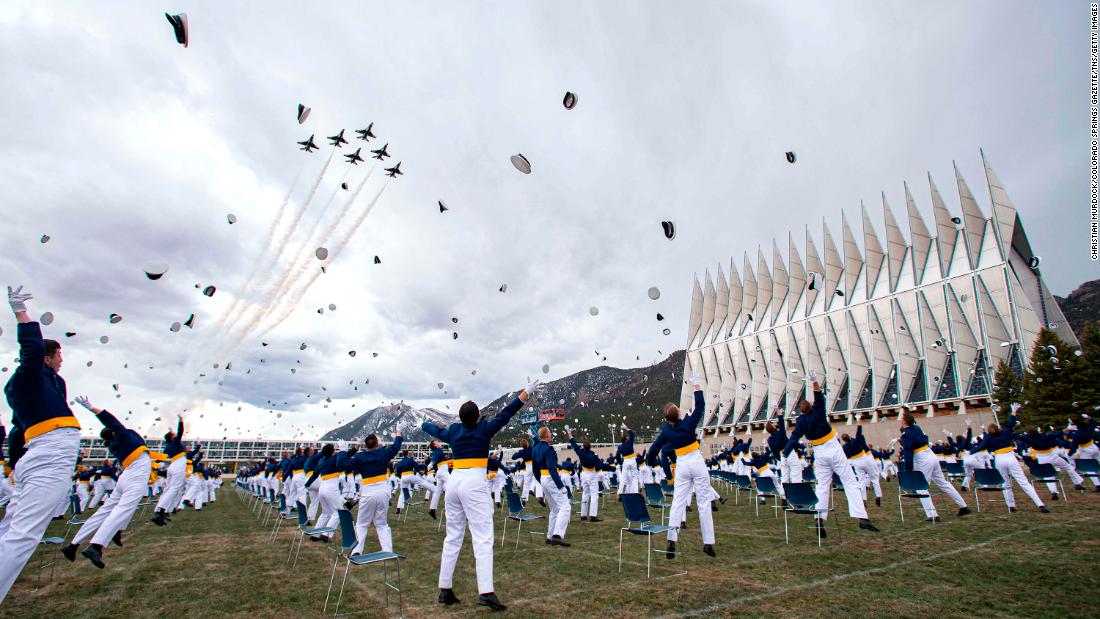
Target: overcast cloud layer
x,y
127,149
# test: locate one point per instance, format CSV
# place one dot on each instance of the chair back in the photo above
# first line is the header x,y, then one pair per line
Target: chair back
x,y
634,508
800,495
282,502
303,519
74,502
837,484
765,485
989,478
1088,466
1043,471
808,473
515,506
405,493
743,482
347,531
912,482
954,468
653,493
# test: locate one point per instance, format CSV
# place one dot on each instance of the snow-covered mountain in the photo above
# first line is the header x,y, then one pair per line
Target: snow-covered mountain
x,y
384,420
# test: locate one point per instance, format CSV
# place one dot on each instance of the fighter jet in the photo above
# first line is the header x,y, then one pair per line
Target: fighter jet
x,y
381,153
308,145
354,158
366,134
338,139
394,171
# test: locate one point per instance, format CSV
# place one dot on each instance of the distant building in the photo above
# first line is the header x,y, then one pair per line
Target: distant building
x,y
919,322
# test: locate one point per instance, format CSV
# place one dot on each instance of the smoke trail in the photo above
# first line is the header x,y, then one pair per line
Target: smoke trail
x,y
333,253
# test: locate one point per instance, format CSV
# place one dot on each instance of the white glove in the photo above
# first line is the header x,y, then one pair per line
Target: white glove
x,y
947,432
341,445
84,401
967,420
1015,407
533,387
813,376
694,378
17,299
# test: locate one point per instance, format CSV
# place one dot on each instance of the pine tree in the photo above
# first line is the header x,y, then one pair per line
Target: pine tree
x,y
1051,383
1087,376
1007,387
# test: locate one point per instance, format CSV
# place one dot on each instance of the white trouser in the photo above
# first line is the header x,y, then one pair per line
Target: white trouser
x,y
929,465
829,458
374,500
768,472
440,486
692,476
531,484
331,502
889,468
790,468
312,493
629,481
590,493
558,501
468,504
297,485
1059,464
972,461
867,473
173,487
99,489
43,477
82,494
1011,470
116,512
411,483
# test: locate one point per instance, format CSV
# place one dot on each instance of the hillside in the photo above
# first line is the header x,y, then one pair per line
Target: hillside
x,y
1082,305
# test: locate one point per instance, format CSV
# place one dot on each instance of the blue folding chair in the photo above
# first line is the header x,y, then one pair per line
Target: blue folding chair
x,y
741,483
282,515
1046,473
987,480
516,513
655,498
765,489
1088,467
409,503
801,499
348,542
912,485
954,471
637,523
303,531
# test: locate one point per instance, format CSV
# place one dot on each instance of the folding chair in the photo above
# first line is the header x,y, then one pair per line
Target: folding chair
x,y
1045,473
282,515
655,498
303,531
801,499
912,485
47,542
954,471
515,512
765,489
987,480
637,523
348,541
741,483
1088,467
409,503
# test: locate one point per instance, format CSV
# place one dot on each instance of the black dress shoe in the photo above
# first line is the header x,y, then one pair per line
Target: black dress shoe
x,y
159,519
584,518
689,509
878,501
490,600
541,502
448,597
95,556
713,506
548,542
866,525
708,549
70,552
1012,510
932,519
431,512
819,526
722,500
1043,509
558,541
670,550
963,511
117,538
594,519
1053,496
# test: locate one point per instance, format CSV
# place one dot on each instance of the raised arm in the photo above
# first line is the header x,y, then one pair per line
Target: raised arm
x,y
393,449
179,430
655,449
105,417
575,446
792,442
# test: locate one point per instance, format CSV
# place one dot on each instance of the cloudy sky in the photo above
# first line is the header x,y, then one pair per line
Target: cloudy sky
x,y
130,150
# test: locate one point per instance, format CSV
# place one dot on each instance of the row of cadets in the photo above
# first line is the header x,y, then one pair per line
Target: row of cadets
x,y
527,475
176,477
590,481
916,455
193,486
790,465
866,469
1000,442
107,523
628,480
468,503
828,458
884,460
761,463
409,479
495,474
545,460
326,476
690,474
1044,448
295,488
310,492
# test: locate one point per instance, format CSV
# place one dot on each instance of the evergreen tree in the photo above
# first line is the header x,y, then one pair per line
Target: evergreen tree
x,y
1007,387
1051,383
1087,376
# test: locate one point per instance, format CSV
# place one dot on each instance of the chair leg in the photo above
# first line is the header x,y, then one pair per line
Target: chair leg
x,y
330,581
343,582
648,552
901,510
620,551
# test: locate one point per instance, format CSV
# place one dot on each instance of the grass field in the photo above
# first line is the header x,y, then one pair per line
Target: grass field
x,y
993,564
